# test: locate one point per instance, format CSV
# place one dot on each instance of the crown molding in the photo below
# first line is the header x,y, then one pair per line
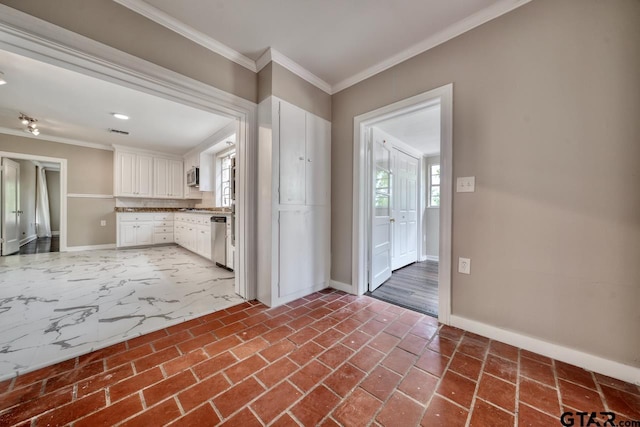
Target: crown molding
x,y
273,55
45,137
460,27
160,17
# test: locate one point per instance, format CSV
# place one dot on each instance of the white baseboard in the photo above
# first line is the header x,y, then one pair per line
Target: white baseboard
x,y
565,354
432,258
28,239
344,287
90,248
55,233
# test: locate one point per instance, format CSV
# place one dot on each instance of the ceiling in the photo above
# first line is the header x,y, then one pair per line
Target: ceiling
x,y
420,129
340,42
73,106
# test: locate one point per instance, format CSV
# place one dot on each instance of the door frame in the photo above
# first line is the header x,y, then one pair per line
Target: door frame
x,y
63,187
29,36
361,173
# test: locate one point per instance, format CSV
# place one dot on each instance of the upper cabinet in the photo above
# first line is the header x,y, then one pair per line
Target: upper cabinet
x,y
141,174
305,157
133,174
167,178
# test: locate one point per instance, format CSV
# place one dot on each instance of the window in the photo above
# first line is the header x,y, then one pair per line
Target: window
x,y
434,185
225,178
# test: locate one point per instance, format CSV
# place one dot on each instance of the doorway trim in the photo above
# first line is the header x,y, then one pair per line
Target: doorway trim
x,y
63,187
34,38
360,238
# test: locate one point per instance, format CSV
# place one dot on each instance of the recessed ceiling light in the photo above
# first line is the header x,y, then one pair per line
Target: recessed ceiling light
x,y
2,80
120,116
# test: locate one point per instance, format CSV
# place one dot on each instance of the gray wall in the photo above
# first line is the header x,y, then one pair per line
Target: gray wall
x,y
27,198
431,220
545,116
53,190
116,26
90,171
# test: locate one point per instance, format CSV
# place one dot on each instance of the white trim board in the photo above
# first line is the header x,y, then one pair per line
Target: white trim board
x,y
89,196
28,239
29,36
59,139
188,32
344,287
360,236
460,27
565,354
272,55
91,247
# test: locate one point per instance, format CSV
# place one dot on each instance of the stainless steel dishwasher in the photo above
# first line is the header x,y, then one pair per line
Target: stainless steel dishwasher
x,y
219,240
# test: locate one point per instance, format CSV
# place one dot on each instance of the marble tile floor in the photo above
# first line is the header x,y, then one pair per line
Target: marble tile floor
x,y
328,359
55,306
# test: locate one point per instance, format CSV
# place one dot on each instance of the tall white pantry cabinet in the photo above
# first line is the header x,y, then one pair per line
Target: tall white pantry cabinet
x,y
294,202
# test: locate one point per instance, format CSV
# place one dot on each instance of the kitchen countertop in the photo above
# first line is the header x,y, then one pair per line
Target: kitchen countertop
x,y
183,210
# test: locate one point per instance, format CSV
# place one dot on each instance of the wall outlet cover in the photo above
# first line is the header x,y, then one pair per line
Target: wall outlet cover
x,y
464,265
103,223
466,184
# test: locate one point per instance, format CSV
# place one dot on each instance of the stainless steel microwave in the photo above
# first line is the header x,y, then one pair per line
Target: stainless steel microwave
x,y
193,177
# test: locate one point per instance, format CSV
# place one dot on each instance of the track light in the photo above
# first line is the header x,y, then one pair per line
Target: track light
x,y
31,124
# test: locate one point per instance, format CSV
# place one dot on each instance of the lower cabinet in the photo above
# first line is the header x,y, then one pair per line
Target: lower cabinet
x,y
193,232
144,229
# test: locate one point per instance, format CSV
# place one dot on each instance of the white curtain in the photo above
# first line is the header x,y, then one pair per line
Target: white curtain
x,y
43,219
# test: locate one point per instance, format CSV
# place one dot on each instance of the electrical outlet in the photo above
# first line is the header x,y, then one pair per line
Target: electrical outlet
x,y
464,265
103,223
466,184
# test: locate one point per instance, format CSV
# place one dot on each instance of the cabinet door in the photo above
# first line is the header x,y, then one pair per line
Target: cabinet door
x,y
295,253
318,166
144,233
175,179
126,175
292,155
161,177
127,235
144,176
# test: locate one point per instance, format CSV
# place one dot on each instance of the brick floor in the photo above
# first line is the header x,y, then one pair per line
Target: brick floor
x,y
326,359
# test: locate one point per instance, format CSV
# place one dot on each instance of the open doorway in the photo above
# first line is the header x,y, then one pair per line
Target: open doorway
x,y
402,203
408,147
32,212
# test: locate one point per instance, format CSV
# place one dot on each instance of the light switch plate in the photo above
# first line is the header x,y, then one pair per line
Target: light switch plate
x,y
464,265
466,184
103,223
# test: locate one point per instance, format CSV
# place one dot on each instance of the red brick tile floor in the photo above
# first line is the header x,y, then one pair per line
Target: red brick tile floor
x,y
327,359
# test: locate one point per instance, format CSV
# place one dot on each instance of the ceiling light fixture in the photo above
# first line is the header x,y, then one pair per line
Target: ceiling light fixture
x,y
30,122
2,80
120,116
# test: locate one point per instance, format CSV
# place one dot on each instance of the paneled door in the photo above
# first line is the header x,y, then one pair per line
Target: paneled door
x,y
405,209
11,206
380,211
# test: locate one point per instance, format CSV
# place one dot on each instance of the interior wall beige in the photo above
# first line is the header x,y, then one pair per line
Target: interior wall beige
x,y
116,26
84,216
27,198
53,191
296,90
546,102
89,171
265,82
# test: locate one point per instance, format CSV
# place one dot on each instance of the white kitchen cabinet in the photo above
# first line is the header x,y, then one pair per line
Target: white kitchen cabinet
x,y
133,174
167,178
193,232
134,230
294,169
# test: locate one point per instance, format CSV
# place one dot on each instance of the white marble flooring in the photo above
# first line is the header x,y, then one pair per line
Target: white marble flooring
x,y
56,306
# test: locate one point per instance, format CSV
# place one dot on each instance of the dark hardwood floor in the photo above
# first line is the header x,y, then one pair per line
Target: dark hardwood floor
x,y
414,287
41,245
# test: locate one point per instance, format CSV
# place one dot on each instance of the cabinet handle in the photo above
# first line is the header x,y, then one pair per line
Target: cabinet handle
x,y
301,158
309,160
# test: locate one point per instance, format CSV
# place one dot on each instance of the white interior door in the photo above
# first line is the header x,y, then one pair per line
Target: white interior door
x,y
10,206
380,212
405,209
